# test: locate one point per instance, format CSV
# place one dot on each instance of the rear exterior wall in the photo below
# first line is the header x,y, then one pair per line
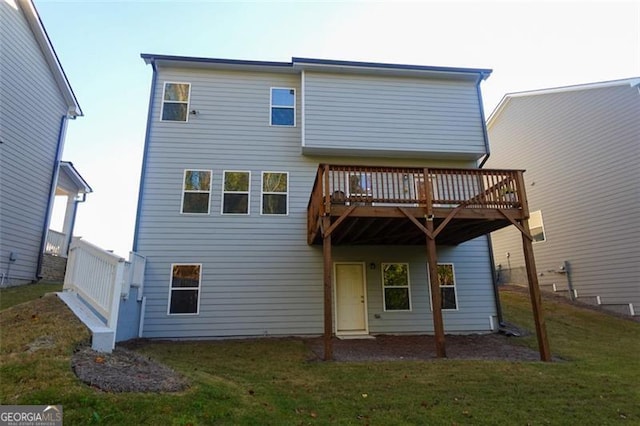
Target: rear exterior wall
x,y
259,276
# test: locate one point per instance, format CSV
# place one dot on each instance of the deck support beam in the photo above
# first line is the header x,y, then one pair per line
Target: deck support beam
x,y
328,290
534,294
436,302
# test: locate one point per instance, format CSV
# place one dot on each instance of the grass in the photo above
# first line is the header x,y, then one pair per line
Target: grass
x,y
14,295
272,382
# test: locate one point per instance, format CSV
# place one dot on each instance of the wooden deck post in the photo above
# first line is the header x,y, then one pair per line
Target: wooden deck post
x,y
328,289
436,297
534,294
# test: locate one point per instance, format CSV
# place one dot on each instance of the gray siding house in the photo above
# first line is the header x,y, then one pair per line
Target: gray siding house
x,y
293,198
581,148
37,102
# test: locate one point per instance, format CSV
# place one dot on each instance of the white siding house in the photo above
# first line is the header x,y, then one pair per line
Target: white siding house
x,y
241,160
581,148
37,101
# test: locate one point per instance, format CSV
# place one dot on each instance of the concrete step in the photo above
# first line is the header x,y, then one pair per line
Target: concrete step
x,y
102,337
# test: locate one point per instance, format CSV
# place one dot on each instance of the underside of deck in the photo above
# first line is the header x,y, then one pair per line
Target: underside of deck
x,y
370,225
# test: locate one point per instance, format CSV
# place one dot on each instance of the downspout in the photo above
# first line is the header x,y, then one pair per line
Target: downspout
x,y
52,193
145,156
494,275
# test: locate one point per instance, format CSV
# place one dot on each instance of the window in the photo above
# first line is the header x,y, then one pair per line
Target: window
x,y
175,101
395,283
196,189
447,279
536,227
283,107
185,289
275,188
235,192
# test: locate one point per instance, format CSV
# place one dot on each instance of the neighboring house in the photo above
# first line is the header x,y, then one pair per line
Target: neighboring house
x,y
581,148
36,103
307,198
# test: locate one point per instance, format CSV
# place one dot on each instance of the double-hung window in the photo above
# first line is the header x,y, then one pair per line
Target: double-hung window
x,y
196,191
395,283
175,101
447,278
235,192
275,193
184,292
283,106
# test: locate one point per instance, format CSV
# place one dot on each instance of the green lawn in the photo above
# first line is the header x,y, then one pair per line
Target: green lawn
x,y
14,295
271,381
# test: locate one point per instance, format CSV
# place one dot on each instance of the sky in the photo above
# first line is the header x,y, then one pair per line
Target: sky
x,y
529,45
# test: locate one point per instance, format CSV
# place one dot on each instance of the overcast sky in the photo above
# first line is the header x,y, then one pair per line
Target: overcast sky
x,y
529,45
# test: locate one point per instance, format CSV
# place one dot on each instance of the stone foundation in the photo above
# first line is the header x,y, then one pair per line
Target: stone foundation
x,y
53,268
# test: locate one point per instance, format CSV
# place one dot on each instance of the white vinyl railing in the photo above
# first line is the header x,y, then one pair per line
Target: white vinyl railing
x,y
102,278
55,243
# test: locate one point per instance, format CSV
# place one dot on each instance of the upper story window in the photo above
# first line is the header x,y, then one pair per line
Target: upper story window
x,y
275,191
196,191
536,226
395,283
175,101
283,107
235,192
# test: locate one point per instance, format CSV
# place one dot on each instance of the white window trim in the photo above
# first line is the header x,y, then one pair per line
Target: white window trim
x,y
271,106
544,233
184,191
171,289
164,88
408,287
248,192
455,288
262,193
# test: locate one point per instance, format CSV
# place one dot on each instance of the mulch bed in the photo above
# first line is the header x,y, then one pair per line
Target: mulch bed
x,y
125,371
422,347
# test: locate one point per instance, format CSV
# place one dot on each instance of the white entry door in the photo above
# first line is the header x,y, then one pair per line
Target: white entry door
x,y
351,303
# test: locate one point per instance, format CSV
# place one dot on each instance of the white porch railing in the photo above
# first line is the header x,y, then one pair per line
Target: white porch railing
x,y
102,278
55,243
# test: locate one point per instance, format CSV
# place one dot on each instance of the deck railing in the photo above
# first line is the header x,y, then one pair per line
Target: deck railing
x,y
55,243
413,187
102,278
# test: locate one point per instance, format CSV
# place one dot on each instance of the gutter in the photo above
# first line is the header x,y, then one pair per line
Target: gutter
x,y
73,220
494,275
145,154
52,193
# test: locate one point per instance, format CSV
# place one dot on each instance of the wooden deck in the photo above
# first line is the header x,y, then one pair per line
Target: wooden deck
x,y
360,205
385,205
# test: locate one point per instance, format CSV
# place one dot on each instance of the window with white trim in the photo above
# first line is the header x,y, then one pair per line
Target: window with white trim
x,y
275,193
447,279
184,292
175,101
283,106
196,191
536,226
395,286
235,192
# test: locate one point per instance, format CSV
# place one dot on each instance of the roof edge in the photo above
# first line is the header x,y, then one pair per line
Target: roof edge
x,y
632,82
51,57
75,176
303,63
484,72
